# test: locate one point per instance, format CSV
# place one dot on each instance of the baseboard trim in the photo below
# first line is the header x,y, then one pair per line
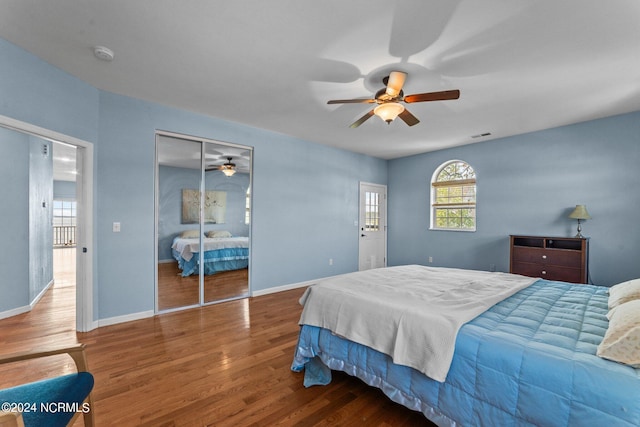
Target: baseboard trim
x,y
151,313
26,308
126,318
15,311
289,286
41,294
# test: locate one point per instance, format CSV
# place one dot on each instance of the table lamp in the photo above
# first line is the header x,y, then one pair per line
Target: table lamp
x,y
580,213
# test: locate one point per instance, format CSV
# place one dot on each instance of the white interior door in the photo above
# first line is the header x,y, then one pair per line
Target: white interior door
x,y
372,229
84,239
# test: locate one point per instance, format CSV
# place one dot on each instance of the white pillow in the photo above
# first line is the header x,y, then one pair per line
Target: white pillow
x,y
218,234
621,342
624,292
190,234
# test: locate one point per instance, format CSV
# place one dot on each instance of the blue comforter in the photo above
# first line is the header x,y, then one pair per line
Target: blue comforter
x,y
214,261
529,360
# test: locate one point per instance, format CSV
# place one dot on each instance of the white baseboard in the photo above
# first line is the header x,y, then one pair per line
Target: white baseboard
x,y
288,287
280,289
90,327
125,318
41,294
26,308
15,311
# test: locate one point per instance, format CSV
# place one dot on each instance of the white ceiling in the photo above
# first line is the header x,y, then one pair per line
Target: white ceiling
x,y
520,65
64,162
183,153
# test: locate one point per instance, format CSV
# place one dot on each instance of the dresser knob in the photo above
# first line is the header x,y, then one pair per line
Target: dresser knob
x,y
544,257
544,272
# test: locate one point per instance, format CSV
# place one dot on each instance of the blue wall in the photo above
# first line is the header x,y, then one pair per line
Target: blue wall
x,y
37,93
305,197
26,174
305,201
40,216
34,92
173,180
14,227
528,184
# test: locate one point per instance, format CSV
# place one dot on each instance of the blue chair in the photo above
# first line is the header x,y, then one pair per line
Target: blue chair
x,y
53,401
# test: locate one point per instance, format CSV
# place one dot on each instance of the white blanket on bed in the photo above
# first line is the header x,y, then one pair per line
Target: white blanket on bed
x,y
187,247
411,313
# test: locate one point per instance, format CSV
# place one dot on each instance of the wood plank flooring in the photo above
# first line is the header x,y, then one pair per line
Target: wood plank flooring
x,y
221,365
177,291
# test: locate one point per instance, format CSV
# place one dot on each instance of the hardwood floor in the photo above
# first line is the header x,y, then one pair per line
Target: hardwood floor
x,y
221,365
177,291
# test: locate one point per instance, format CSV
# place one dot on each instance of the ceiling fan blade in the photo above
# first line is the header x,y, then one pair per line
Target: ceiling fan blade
x,y
351,101
395,83
361,120
433,96
408,118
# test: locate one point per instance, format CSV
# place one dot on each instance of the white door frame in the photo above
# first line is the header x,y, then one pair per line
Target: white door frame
x,y
84,203
383,225
204,142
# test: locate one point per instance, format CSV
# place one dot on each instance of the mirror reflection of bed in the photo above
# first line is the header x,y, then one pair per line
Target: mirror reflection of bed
x,y
215,222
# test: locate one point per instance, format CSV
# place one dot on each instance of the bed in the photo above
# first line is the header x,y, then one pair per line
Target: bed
x,y
527,359
220,254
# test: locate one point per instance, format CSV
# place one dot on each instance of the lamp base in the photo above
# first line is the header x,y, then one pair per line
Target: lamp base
x,y
579,235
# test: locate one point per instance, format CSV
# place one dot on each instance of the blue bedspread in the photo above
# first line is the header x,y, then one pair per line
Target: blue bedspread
x,y
214,261
528,361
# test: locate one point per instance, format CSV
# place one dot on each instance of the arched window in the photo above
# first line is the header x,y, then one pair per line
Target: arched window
x,y
453,197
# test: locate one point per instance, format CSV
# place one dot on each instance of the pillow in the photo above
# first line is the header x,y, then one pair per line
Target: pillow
x,y
624,292
621,341
218,234
190,234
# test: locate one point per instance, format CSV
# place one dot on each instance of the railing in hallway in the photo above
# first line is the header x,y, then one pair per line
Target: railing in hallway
x,y
64,235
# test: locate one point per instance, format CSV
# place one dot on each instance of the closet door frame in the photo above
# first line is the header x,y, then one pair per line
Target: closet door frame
x,y
202,189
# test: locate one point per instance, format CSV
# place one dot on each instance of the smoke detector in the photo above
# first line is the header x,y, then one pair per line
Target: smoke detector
x,y
103,53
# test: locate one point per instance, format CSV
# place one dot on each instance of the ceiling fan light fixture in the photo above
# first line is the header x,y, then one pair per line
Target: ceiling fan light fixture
x,y
228,168
228,172
388,111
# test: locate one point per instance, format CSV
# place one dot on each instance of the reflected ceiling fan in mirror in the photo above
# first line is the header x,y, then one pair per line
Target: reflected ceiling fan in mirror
x,y
227,168
389,100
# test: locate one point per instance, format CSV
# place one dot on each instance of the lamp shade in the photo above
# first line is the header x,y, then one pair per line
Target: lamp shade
x,y
228,168
388,111
228,171
580,212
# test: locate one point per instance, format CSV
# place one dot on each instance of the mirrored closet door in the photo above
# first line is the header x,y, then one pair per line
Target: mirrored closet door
x,y
203,214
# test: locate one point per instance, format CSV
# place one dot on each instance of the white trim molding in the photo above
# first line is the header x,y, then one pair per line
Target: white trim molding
x,y
84,265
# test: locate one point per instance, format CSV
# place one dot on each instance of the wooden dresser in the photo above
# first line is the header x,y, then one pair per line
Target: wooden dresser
x,y
553,258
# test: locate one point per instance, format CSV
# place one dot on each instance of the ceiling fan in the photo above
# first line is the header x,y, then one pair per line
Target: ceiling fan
x,y
389,100
227,168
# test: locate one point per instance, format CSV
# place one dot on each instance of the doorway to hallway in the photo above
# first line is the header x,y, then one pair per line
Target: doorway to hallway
x,y
61,301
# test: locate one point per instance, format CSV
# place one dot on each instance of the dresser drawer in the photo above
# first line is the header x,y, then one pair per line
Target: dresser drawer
x,y
549,272
563,257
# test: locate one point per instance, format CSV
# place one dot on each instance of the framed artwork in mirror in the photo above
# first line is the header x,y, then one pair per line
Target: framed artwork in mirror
x,y
215,206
